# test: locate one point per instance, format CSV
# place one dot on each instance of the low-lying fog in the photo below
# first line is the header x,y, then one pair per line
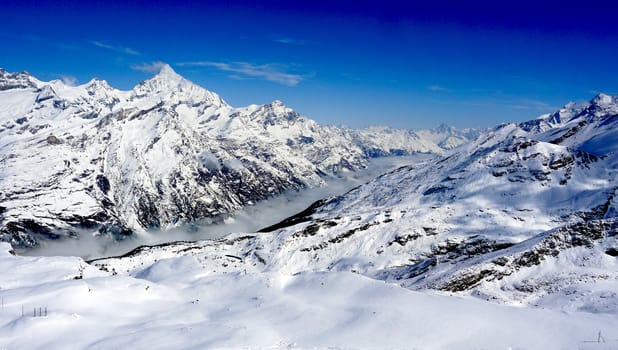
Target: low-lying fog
x,y
249,219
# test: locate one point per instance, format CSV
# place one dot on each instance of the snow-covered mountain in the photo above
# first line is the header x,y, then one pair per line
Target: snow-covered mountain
x,y
378,141
94,158
448,137
525,214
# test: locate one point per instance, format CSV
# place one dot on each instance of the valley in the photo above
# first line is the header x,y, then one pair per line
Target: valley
x,y
249,219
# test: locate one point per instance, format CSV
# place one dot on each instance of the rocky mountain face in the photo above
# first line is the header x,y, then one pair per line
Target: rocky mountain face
x,y
167,152
526,214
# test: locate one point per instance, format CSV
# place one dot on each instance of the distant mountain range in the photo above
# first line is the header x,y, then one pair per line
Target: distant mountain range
x,y
525,214
165,153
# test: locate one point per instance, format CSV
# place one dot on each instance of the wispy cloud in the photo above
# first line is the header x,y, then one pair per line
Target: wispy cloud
x,y
438,88
514,103
530,104
290,41
152,67
596,92
119,49
68,80
244,70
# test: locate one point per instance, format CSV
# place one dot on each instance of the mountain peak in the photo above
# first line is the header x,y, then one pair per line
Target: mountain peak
x,y
20,80
278,103
166,80
96,83
22,73
167,71
279,106
443,128
168,84
602,99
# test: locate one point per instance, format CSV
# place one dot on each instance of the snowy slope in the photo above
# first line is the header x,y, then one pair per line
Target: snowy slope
x,y
179,303
517,216
93,159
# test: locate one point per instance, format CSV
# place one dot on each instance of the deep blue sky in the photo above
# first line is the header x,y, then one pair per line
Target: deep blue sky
x,y
347,62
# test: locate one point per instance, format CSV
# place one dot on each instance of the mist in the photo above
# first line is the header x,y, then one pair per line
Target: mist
x,y
248,219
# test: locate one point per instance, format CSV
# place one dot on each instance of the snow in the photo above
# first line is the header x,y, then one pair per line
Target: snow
x,y
176,303
167,146
233,163
509,218
209,161
603,99
602,144
516,228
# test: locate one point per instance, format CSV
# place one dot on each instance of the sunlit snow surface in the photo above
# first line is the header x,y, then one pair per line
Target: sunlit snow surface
x,y
178,304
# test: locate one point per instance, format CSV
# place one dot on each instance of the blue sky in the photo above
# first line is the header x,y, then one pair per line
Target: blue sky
x,y
355,63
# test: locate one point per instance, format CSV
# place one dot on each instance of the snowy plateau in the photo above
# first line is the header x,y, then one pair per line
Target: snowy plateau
x,y
506,238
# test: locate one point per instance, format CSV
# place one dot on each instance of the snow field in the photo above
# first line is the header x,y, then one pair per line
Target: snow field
x,y
174,303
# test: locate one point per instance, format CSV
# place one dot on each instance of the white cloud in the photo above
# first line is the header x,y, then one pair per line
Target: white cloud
x,y
68,80
119,49
437,88
515,103
152,67
596,92
530,104
243,70
290,41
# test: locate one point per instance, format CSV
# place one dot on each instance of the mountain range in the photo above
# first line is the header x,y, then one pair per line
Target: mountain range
x,y
500,238
525,214
91,158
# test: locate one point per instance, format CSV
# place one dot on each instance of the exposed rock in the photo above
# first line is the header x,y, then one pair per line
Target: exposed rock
x,y
53,140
